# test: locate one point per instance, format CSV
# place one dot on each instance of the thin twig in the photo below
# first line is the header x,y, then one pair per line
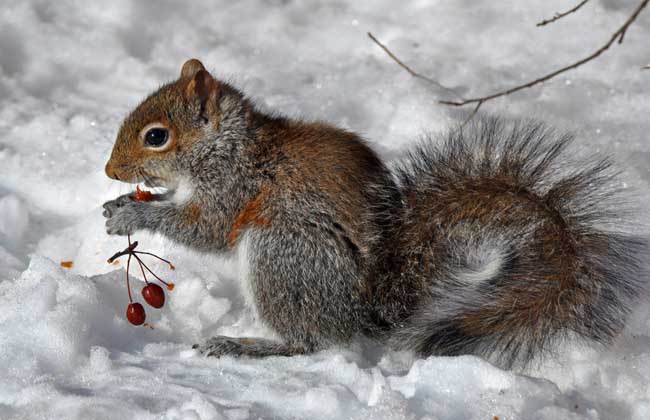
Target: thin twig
x,y
410,70
619,34
472,114
646,67
144,276
128,285
128,250
149,270
171,266
561,15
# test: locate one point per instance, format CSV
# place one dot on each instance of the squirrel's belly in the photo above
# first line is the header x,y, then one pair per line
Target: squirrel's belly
x,y
242,252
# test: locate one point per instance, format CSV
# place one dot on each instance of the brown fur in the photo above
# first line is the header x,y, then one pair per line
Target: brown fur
x,y
253,214
130,158
192,214
516,245
316,158
495,201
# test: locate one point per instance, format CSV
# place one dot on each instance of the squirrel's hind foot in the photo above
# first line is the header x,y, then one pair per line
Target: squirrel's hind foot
x,y
243,346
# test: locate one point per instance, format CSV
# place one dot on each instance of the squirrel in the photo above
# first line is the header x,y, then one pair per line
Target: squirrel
x,y
490,241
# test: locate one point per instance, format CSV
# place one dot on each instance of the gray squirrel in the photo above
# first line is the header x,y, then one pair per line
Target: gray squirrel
x,y
489,242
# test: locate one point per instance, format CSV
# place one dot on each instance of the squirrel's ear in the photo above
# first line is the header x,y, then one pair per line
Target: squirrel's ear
x,y
204,89
191,67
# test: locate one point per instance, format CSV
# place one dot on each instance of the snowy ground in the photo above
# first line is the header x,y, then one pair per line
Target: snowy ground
x,y
70,70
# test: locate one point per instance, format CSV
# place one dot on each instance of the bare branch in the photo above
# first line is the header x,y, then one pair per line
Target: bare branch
x,y
561,15
471,115
646,67
127,251
410,70
619,34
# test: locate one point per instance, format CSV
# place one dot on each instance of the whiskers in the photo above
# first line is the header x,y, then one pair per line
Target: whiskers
x,y
142,175
150,181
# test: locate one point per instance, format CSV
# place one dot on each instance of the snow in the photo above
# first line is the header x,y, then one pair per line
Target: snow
x,y
71,70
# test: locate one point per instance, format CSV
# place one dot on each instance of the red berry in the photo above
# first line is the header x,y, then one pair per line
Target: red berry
x,y
142,195
135,313
154,295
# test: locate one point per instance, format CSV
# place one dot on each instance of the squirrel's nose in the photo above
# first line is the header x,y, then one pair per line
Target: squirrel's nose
x,y
110,172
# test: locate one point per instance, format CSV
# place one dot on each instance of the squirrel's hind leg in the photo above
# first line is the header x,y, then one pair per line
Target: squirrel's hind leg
x,y
244,346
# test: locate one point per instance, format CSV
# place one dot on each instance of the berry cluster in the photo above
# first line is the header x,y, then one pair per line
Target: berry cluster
x,y
152,293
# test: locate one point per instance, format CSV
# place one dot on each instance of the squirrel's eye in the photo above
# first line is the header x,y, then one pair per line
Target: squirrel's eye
x,y
156,137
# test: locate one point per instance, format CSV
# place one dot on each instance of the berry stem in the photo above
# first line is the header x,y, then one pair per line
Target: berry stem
x,y
132,253
141,269
149,270
127,251
128,285
171,266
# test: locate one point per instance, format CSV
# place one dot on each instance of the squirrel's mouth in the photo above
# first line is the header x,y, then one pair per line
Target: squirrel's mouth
x,y
159,187
155,180
154,183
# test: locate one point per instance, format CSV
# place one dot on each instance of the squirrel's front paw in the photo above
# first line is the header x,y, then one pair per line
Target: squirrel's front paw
x,y
124,215
111,206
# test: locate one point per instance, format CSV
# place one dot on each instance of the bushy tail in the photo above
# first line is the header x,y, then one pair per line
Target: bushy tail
x,y
515,246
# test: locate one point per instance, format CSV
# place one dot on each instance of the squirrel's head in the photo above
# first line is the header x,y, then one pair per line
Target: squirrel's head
x,y
153,139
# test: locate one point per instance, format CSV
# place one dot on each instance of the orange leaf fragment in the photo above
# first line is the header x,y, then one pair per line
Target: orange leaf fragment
x,y
67,264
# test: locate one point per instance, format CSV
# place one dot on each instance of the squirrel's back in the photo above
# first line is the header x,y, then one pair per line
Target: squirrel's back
x,y
512,245
329,176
